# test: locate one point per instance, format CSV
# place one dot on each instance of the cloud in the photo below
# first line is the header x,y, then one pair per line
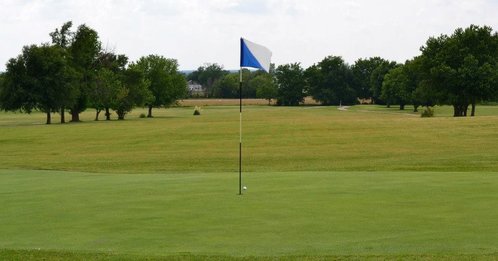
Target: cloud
x,y
199,31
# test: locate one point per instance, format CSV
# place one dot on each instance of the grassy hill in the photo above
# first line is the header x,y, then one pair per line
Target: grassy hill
x,y
368,182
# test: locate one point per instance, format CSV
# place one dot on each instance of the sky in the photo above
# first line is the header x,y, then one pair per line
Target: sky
x,y
196,32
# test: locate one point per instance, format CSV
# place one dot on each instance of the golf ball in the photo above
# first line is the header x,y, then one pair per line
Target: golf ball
x,y
244,187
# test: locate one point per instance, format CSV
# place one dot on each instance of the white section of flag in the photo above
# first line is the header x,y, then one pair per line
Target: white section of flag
x,y
261,53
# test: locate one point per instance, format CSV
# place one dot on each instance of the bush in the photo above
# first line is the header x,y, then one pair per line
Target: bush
x,y
427,112
142,115
197,110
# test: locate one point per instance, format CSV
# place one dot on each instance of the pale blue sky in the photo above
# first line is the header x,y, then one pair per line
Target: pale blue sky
x,y
199,31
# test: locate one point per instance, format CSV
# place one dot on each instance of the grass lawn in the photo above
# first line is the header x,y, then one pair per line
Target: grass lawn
x,y
368,182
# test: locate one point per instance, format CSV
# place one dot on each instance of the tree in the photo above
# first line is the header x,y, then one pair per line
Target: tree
x,y
377,78
396,88
265,87
63,38
248,89
463,67
330,81
166,83
291,84
227,86
424,95
38,79
15,93
110,68
362,71
132,92
207,75
84,50
2,82
104,91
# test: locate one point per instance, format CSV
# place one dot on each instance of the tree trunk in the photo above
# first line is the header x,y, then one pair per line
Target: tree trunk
x,y
97,112
150,112
63,118
49,119
457,110
121,114
473,113
75,116
415,108
269,102
388,105
460,110
402,107
107,114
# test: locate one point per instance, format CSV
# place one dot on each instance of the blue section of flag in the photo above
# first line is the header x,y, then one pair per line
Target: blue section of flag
x,y
247,58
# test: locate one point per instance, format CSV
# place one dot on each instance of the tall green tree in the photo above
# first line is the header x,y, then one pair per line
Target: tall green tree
x,y
38,79
463,67
84,49
330,81
63,38
265,87
396,88
227,86
2,83
377,78
15,93
132,92
103,92
166,83
291,84
362,71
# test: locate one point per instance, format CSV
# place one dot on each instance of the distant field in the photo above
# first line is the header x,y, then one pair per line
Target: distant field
x,y
361,183
225,102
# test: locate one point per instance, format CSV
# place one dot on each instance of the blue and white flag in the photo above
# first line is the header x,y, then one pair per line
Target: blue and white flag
x,y
254,55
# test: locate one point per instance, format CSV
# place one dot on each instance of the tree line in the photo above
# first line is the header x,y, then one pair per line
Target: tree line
x,y
74,72
459,70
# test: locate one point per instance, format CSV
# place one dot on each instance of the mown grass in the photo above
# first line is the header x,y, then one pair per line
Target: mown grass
x,y
366,183
275,139
281,214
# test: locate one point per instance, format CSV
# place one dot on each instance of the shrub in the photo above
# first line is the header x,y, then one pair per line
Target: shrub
x,y
427,112
197,110
142,115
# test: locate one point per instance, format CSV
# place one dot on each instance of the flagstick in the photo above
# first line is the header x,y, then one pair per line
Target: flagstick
x,y
240,132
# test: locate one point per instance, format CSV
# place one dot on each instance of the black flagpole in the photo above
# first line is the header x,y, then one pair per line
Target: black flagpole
x,y
240,133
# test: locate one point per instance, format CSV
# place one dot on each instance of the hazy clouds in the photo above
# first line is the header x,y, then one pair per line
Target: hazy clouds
x,y
199,31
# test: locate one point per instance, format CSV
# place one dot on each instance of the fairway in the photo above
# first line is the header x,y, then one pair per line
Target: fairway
x,y
364,182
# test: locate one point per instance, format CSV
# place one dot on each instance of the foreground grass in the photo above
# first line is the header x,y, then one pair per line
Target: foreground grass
x,y
282,214
365,138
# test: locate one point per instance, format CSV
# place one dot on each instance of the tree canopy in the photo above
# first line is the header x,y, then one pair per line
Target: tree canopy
x,y
330,82
74,72
463,68
165,82
291,84
40,79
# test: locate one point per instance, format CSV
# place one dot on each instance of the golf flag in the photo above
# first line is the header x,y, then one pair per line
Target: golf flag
x,y
254,55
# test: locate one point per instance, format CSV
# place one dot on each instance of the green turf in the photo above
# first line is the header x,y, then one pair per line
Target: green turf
x,y
369,182
275,139
282,214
